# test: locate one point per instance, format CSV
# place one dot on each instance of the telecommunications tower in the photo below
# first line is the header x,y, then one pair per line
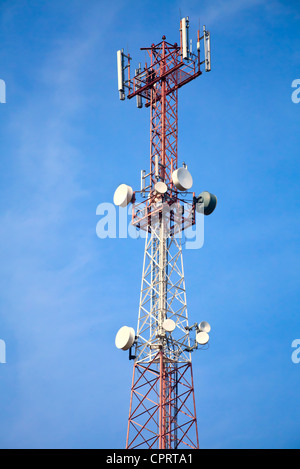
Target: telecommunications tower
x,y
162,412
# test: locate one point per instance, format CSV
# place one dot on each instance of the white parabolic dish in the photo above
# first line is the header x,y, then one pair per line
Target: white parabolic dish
x,y
204,326
169,325
182,179
202,338
123,195
125,338
161,187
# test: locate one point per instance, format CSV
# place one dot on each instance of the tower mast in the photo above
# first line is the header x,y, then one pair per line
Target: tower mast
x,y
162,410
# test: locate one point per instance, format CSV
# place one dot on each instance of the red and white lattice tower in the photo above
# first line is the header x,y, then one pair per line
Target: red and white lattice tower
x,y
162,411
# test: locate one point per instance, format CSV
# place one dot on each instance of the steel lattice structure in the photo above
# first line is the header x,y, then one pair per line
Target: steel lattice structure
x,y
162,406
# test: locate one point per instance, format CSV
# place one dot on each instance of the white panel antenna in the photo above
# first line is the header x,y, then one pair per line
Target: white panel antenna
x,y
185,37
206,37
120,63
156,167
139,102
122,83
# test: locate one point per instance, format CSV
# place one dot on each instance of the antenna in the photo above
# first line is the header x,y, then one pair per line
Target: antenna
x,y
156,167
185,37
162,411
120,64
182,179
206,35
123,195
206,203
125,338
122,83
139,103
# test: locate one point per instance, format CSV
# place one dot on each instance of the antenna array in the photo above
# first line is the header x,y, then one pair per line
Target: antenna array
x,y
162,406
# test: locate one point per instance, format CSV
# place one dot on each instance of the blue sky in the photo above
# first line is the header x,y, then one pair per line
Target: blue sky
x,y
66,143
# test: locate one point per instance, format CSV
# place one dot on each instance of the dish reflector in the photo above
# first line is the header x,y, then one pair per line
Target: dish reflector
x,y
169,325
204,327
125,338
161,187
182,179
207,202
123,195
202,338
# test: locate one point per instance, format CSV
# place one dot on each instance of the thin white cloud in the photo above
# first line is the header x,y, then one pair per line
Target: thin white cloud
x,y
45,250
222,9
218,11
